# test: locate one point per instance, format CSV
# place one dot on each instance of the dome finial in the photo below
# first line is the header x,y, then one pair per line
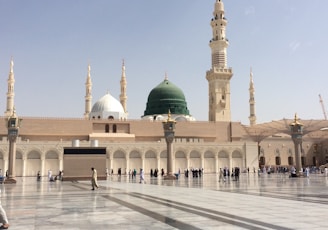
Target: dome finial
x,y
169,115
12,65
166,77
89,69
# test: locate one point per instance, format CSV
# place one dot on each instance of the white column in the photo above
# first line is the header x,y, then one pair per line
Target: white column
x,y
128,164
188,163
230,162
158,163
216,163
24,159
5,163
43,172
61,166
202,161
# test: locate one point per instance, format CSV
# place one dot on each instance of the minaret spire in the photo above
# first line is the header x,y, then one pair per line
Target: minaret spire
x,y
123,96
11,92
252,116
88,94
219,75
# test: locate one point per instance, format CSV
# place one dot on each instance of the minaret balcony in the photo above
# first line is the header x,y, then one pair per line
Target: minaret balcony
x,y
220,70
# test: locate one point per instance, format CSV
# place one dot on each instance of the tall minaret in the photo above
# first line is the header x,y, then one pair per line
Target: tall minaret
x,y
252,116
219,75
11,92
88,94
123,96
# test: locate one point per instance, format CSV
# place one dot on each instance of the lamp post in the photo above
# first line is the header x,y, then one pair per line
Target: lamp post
x,y
13,127
169,127
296,129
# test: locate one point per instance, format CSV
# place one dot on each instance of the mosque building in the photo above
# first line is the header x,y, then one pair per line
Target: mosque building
x,y
210,145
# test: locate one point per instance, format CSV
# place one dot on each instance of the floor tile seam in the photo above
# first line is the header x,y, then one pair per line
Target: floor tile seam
x,y
152,214
165,189
209,212
209,196
232,222
290,198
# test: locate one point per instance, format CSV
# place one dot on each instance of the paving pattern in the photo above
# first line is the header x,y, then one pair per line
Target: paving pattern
x,y
267,202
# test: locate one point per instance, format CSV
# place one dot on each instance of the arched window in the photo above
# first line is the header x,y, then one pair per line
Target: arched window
x,y
262,160
290,161
314,161
278,161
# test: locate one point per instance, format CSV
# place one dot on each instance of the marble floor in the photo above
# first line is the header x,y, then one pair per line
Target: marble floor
x,y
267,202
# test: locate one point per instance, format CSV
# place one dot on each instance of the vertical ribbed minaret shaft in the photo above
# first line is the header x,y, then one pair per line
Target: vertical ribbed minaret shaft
x,y
123,96
252,115
88,94
11,92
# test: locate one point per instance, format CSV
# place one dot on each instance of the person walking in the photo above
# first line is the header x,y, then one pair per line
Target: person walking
x,y
3,218
49,175
94,179
142,176
221,175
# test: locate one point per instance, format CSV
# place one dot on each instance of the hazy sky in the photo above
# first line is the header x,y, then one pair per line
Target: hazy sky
x,y
284,41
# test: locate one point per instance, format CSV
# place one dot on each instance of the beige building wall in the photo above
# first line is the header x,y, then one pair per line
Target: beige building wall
x,y
140,144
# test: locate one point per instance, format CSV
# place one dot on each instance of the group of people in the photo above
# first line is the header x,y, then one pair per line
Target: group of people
x,y
154,173
51,177
132,173
224,173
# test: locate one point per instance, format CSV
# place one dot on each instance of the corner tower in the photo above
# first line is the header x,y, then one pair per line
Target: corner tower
x,y
88,94
219,75
11,92
252,116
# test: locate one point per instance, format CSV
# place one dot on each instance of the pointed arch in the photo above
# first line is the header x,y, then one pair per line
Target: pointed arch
x,y
33,162
223,159
237,158
119,159
195,159
180,160
150,160
209,161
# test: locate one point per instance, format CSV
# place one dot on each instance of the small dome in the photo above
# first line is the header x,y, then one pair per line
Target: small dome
x,y
107,104
164,97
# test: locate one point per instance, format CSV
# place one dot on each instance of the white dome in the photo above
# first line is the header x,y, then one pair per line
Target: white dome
x,y
107,104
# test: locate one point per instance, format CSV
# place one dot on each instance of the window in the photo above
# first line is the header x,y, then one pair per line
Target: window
x,y
278,161
262,160
290,161
107,128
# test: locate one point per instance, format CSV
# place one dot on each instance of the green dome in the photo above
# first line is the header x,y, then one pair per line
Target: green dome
x,y
164,97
